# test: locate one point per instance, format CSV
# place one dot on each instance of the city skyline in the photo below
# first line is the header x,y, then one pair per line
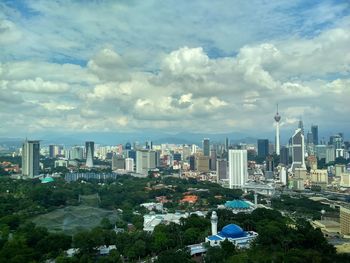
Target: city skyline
x,y
108,68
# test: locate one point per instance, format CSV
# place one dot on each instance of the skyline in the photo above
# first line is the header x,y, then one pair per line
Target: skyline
x,y
185,67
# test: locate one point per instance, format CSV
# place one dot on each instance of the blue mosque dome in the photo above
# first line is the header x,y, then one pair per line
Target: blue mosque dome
x,y
232,231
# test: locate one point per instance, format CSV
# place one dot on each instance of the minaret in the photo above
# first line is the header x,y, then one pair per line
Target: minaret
x,y
277,144
214,223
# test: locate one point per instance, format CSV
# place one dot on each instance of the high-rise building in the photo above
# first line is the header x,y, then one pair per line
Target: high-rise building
x,y
238,168
30,158
284,156
76,152
221,169
226,144
89,150
314,131
129,164
330,153
145,161
345,220
301,126
192,162
277,138
213,157
118,162
202,164
320,151
309,138
298,155
54,150
206,147
263,148
337,141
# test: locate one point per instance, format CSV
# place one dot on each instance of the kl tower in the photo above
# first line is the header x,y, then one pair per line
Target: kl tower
x,y
277,119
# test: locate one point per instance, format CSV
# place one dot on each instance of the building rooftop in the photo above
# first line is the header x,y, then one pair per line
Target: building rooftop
x,y
237,204
232,231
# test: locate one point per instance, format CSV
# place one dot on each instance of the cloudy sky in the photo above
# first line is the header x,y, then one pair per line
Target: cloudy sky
x,y
195,66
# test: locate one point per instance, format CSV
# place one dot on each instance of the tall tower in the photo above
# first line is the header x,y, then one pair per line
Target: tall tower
x,y
214,223
298,155
89,148
206,147
30,158
277,144
238,168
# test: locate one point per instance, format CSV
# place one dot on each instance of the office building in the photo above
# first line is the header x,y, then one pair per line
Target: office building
x,y
301,126
221,169
320,151
213,157
339,169
129,164
145,161
192,162
284,156
202,163
314,131
54,150
89,151
118,162
238,168
30,158
206,147
132,154
76,152
345,179
345,220
277,138
298,155
330,153
263,148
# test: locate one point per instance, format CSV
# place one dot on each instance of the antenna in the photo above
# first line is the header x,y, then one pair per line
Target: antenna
x,y
277,107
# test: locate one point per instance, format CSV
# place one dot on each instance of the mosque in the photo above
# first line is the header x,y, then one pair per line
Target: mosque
x,y
231,232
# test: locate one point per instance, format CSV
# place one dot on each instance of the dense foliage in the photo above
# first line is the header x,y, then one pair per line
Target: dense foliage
x,y
281,239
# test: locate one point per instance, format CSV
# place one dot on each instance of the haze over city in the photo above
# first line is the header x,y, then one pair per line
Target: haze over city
x,y
71,67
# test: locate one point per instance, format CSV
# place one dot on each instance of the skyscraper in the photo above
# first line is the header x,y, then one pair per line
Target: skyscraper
x,y
314,131
89,150
277,139
221,169
206,147
301,126
263,148
284,157
213,157
129,164
145,161
298,155
238,168
30,158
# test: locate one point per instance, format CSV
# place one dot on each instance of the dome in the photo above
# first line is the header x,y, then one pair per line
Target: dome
x,y
232,231
47,180
237,204
128,146
277,117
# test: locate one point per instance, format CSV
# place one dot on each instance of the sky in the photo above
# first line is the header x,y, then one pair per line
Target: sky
x,y
173,66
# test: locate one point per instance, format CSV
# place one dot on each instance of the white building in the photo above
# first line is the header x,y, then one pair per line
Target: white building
x,y
238,168
129,164
145,161
30,158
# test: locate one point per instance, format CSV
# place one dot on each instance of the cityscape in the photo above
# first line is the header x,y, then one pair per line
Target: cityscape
x,y
174,131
